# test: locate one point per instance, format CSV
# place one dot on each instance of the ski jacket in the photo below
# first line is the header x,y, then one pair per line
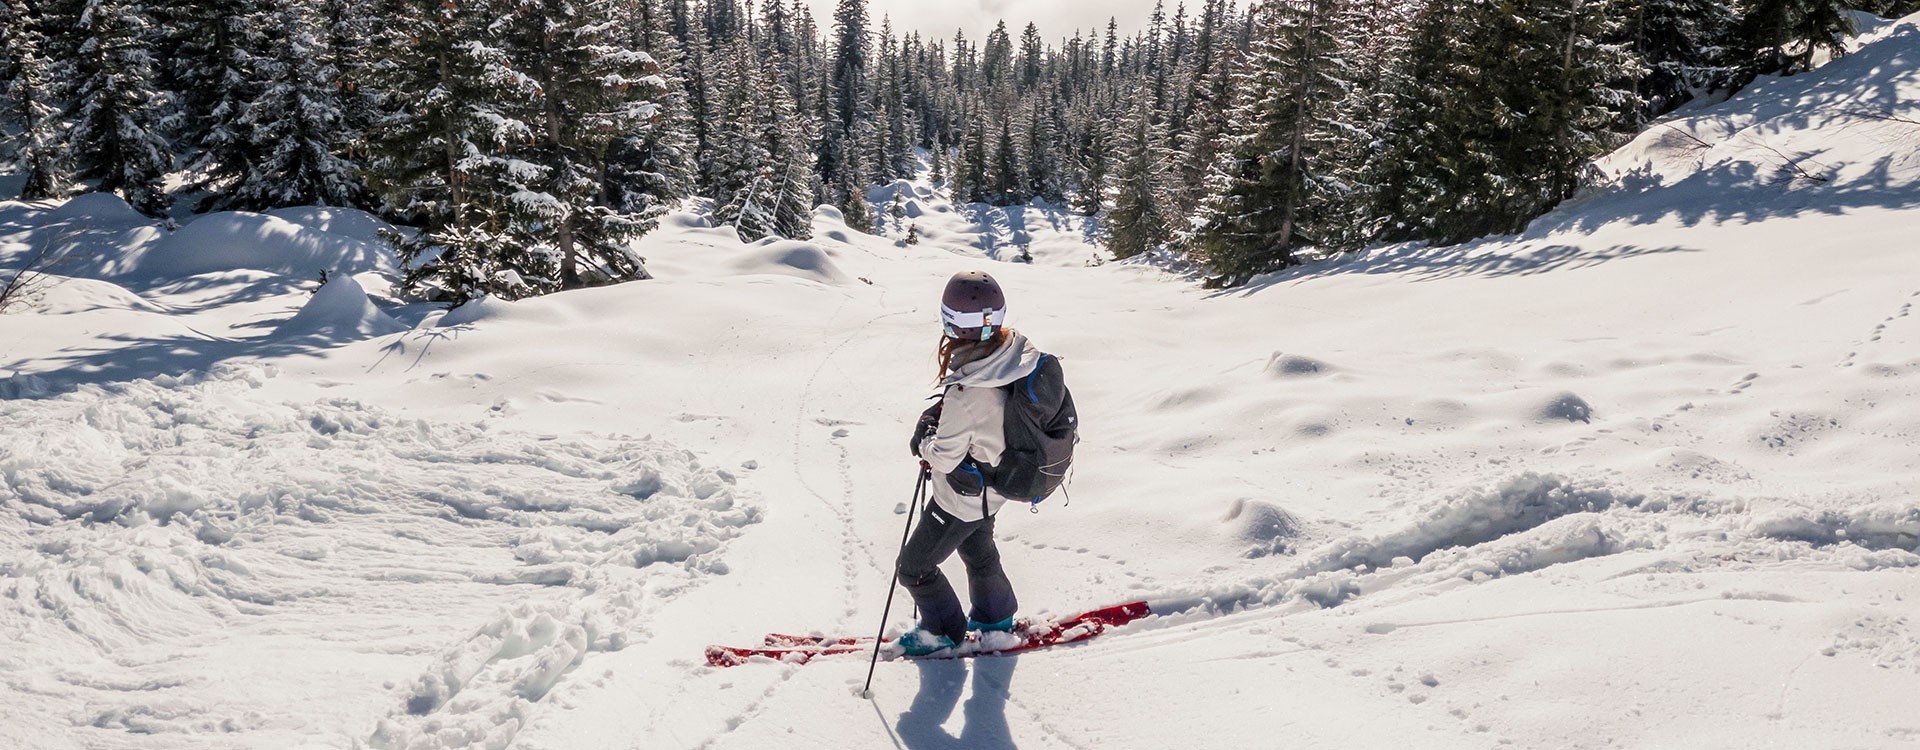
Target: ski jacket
x,y
972,423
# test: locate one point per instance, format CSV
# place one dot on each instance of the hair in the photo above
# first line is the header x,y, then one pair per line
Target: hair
x,y
951,347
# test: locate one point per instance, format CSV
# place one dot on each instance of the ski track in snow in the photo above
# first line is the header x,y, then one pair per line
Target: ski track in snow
x,y
148,523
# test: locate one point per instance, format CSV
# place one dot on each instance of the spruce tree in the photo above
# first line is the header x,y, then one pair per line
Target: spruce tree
x,y
1782,36
1279,181
215,63
842,146
1142,177
32,129
650,168
116,111
1486,136
586,86
292,127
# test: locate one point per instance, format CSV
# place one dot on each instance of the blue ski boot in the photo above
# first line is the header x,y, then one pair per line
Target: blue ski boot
x,y
919,642
1003,626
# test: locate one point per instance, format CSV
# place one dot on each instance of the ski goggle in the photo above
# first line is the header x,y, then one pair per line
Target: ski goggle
x,y
986,320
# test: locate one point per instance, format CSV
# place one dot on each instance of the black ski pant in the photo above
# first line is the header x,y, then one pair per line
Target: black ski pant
x,y
938,536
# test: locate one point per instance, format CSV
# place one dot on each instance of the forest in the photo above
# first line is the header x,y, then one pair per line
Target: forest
x,y
531,141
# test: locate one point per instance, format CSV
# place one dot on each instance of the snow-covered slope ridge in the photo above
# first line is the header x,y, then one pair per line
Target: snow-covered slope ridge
x,y
1647,475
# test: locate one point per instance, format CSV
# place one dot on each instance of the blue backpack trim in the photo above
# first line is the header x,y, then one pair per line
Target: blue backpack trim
x,y
1034,375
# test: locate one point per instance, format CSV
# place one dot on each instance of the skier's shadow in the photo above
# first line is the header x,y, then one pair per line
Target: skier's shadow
x,y
920,727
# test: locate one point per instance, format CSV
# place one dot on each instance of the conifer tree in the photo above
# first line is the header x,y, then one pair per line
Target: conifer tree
x,y
1484,137
1279,181
848,127
213,62
586,86
1032,55
651,168
1142,177
29,103
434,131
292,127
116,111
1782,36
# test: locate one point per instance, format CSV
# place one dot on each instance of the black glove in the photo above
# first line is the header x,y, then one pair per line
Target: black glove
x,y
929,421
967,479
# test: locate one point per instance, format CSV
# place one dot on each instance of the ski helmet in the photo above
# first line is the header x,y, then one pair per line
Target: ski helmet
x,y
973,307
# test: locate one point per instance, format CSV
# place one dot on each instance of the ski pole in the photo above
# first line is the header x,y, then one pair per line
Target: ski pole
x,y
919,492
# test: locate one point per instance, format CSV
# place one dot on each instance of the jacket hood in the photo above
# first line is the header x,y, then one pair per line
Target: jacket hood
x,y
1012,361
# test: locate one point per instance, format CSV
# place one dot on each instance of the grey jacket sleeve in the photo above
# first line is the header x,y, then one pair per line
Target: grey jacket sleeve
x,y
970,424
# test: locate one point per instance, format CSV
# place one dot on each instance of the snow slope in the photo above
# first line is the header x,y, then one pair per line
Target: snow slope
x,y
1645,475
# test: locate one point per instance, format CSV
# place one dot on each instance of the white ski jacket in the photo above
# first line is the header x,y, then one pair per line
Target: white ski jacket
x,y
971,423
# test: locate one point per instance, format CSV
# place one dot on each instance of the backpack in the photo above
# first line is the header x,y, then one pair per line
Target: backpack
x,y
1041,427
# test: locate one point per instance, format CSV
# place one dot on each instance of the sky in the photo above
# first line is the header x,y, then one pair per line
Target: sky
x,y
1057,18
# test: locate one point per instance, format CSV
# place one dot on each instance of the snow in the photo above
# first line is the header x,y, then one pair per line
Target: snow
x,y
340,308
1646,474
239,240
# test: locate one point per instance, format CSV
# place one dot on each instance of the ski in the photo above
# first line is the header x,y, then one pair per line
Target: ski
x,y
1028,635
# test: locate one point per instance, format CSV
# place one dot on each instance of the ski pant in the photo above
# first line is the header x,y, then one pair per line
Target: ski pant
x,y
938,536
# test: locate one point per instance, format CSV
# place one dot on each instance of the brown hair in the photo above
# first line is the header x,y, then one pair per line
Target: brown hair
x,y
951,347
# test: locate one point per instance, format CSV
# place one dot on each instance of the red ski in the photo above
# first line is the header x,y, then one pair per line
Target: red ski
x,y
1032,634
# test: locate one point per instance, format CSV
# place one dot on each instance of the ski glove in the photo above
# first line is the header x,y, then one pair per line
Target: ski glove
x,y
967,479
929,421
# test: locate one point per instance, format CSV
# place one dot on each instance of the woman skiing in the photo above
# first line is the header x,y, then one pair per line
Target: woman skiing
x,y
955,438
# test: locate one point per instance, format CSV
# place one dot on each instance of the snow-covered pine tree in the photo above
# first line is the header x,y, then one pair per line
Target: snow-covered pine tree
x,y
1032,56
1092,166
1141,179
789,148
1495,113
1042,121
292,126
744,175
1374,48
1783,36
31,129
848,110
585,85
1583,107
346,33
1203,136
650,168
1279,181
116,110
214,63
431,132
996,58
1006,183
1682,43
854,179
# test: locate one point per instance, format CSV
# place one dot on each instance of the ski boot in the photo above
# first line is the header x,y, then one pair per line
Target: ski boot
x,y
917,642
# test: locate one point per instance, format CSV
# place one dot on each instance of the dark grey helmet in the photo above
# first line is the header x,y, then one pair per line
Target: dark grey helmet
x,y
973,307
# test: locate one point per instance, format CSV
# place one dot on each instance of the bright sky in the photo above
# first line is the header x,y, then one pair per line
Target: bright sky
x,y
1057,18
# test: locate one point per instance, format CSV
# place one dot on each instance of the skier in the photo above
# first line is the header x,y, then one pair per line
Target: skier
x,y
955,438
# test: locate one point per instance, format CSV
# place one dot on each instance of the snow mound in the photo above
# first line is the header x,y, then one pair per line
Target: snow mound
x,y
1883,526
340,309
236,240
1267,527
1565,407
475,310
1470,518
62,295
98,208
1282,365
802,260
351,223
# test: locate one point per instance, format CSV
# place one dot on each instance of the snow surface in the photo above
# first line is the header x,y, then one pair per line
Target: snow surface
x,y
1646,475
